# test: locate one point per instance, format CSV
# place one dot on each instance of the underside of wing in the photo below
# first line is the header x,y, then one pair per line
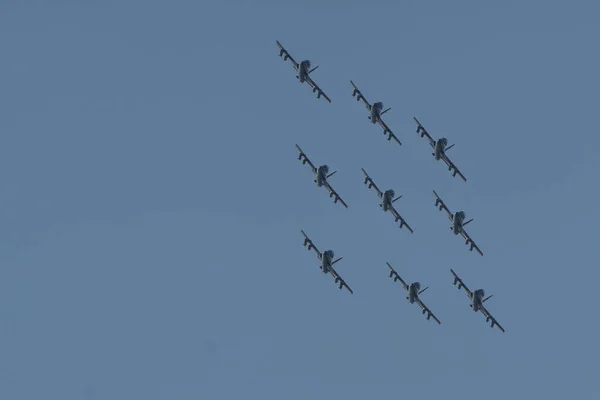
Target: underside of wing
x,y
423,132
394,275
359,96
339,280
370,183
317,89
286,55
489,317
427,311
387,131
305,160
311,246
461,284
335,195
452,166
469,242
398,217
441,205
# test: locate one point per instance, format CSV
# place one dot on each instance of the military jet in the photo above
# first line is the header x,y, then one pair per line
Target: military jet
x,y
321,176
304,70
413,293
476,299
387,200
440,147
375,113
458,226
327,262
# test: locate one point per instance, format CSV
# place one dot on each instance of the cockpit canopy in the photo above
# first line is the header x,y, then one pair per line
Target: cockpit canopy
x,y
306,63
391,192
416,286
461,215
443,141
325,168
480,292
329,254
378,105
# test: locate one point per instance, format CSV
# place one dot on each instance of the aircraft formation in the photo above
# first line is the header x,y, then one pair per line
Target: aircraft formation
x,y
388,197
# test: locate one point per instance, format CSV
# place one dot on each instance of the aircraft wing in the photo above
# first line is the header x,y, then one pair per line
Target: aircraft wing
x,y
488,317
305,159
461,284
421,130
442,205
316,87
369,181
339,280
360,96
427,311
451,165
333,193
389,131
470,241
310,243
402,220
394,274
283,51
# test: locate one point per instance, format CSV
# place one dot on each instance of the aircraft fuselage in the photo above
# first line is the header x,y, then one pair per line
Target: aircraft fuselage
x,y
303,71
440,145
457,221
322,175
375,112
386,202
477,299
326,261
413,292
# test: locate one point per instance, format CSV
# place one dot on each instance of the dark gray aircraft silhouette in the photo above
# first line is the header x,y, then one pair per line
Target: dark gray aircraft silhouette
x,y
375,112
387,200
303,69
458,226
439,149
477,300
413,293
327,262
321,176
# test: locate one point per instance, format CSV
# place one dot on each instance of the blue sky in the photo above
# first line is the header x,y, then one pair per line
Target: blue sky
x,y
152,199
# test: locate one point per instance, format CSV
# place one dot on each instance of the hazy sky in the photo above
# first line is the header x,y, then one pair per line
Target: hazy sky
x,y
152,199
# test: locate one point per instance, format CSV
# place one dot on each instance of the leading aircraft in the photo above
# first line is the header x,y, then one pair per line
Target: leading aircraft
x,y
387,200
327,262
375,113
321,176
440,147
458,224
413,293
304,70
477,300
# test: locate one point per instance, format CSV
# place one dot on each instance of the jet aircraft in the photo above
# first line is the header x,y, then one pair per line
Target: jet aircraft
x,y
387,200
304,70
375,113
458,224
413,293
321,176
327,262
440,147
477,300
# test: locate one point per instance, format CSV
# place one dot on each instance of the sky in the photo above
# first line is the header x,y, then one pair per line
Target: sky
x,y
152,199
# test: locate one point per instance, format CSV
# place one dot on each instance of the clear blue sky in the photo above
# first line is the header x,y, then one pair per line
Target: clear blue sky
x,y
152,199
